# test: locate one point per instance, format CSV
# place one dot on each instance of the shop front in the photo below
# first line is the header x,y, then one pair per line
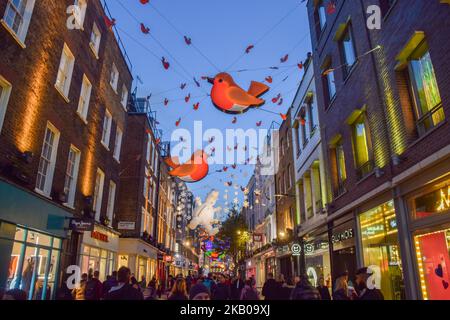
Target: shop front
x,y
139,256
32,231
381,250
343,248
317,257
285,263
429,212
98,252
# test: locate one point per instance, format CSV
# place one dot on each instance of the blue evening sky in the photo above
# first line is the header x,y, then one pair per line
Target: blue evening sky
x,y
220,32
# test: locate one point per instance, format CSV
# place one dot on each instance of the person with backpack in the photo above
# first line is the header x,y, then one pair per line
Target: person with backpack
x,y
124,290
94,288
249,292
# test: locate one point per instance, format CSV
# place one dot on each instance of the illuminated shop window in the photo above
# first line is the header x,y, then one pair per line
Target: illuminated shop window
x,y
433,201
381,250
33,264
425,90
433,262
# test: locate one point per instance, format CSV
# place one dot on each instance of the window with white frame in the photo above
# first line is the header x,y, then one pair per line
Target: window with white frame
x,y
106,133
80,13
17,18
85,96
114,77
111,202
124,100
98,193
65,71
5,91
149,149
118,144
96,37
47,161
70,182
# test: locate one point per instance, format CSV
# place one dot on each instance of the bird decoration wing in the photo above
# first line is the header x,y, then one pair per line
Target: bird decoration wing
x,y
184,170
257,88
173,162
241,97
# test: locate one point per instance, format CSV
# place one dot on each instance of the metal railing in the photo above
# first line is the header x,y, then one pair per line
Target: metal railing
x,y
364,169
430,119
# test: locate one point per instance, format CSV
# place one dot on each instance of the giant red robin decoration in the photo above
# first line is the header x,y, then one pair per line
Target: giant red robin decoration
x,y
194,170
228,97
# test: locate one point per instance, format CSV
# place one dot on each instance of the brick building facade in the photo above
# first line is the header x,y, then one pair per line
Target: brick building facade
x,y
383,104
63,117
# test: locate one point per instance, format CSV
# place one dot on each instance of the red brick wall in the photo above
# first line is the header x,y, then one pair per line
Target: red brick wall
x,y
34,100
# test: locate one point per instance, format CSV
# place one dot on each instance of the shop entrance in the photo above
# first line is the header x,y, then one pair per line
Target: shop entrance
x,y
34,264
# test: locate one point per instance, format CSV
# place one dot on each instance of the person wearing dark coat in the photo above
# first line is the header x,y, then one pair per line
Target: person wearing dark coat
x,y
364,293
236,288
178,292
271,288
124,290
305,291
323,290
222,290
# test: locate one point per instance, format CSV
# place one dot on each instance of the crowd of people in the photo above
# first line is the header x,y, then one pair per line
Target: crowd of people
x,y
122,285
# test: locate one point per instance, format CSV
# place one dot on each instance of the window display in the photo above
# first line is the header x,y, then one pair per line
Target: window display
x,y
95,259
433,201
381,251
317,260
433,257
33,264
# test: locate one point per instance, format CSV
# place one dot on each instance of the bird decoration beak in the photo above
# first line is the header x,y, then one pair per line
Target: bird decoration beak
x,y
210,80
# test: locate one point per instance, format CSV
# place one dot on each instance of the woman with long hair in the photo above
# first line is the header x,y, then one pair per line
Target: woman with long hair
x,y
341,289
179,290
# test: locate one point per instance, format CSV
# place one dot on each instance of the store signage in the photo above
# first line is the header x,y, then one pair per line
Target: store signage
x,y
373,230
81,225
296,249
342,236
313,246
126,225
99,236
168,259
257,237
445,200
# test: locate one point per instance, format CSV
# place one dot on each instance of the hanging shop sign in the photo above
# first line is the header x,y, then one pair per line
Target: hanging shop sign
x,y
81,225
342,236
126,225
168,259
99,236
311,247
296,249
257,237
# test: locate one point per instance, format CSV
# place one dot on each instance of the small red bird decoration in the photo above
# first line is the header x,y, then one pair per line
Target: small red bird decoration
x,y
230,183
144,29
275,99
109,22
236,146
211,140
259,123
300,65
187,98
269,79
234,120
281,102
177,123
283,116
284,59
182,86
166,101
234,166
225,169
165,63
331,7
196,106
158,141
228,97
144,1
249,48
187,40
